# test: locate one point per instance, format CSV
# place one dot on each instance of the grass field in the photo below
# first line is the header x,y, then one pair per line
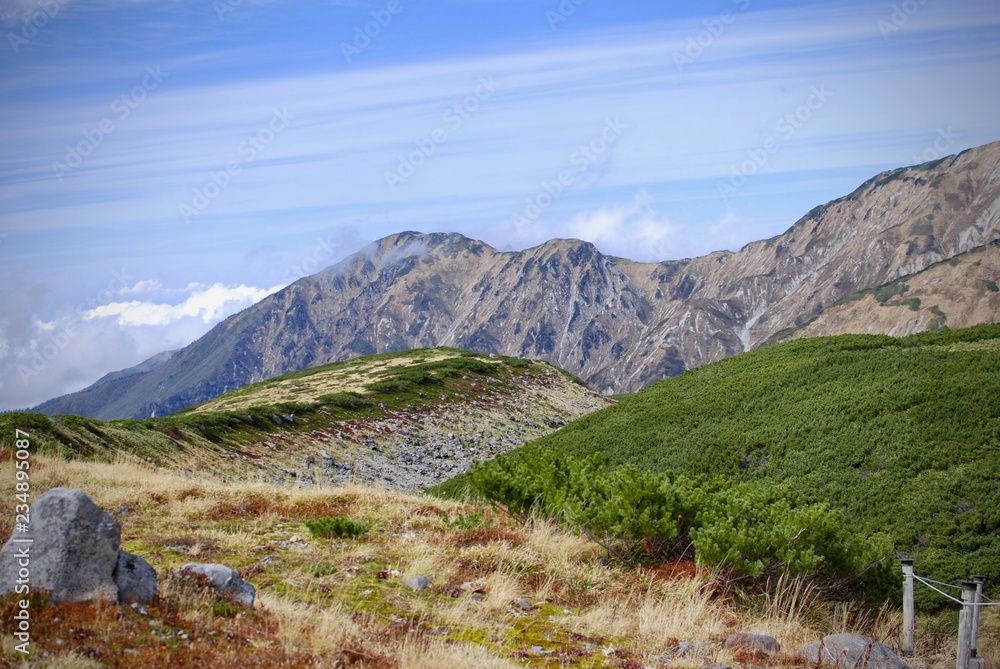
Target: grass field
x,y
326,602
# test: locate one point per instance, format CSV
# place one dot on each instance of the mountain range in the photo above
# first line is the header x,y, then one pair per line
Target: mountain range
x,y
618,324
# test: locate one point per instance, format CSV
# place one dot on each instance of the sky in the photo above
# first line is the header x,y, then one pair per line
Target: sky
x,y
167,163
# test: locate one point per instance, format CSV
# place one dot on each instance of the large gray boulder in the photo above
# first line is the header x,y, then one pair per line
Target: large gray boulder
x,y
223,580
72,553
135,579
851,651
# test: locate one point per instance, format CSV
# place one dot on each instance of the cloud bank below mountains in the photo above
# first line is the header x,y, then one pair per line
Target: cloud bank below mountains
x,y
41,359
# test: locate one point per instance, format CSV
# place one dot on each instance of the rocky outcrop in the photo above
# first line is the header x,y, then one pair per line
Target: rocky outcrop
x,y
617,324
956,293
70,552
409,448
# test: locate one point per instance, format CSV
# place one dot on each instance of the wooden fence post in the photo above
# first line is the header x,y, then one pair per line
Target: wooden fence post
x,y
974,643
907,648
964,653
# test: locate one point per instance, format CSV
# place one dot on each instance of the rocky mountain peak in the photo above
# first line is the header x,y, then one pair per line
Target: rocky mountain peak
x,y
617,324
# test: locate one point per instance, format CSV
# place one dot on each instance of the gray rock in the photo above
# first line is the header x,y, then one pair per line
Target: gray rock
x,y
754,642
850,651
715,665
135,579
417,583
688,649
73,553
522,604
223,580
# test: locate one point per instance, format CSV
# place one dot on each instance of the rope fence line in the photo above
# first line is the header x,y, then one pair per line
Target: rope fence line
x,y
940,592
928,581
972,602
931,580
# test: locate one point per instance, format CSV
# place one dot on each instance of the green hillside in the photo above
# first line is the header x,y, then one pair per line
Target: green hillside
x,y
902,434
363,388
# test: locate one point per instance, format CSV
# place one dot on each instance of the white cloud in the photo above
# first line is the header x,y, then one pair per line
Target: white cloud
x,y
633,230
42,358
206,303
141,287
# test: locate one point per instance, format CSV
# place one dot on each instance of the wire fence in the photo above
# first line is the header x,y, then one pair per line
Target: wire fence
x,y
929,582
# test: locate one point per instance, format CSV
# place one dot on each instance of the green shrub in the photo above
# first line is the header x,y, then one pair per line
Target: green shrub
x,y
389,386
886,293
465,521
750,529
634,515
336,527
345,400
762,530
902,436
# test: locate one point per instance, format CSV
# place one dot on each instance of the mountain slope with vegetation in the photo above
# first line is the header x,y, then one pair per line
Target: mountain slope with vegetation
x,y
903,435
406,420
954,293
617,324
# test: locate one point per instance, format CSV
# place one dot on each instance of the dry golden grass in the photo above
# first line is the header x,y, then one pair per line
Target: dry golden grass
x,y
341,603
351,378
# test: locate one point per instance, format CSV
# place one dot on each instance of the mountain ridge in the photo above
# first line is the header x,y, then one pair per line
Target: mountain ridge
x,y
616,323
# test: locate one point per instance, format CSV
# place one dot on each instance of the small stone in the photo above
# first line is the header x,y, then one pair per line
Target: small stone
x,y
122,511
603,563
522,604
417,583
754,642
223,580
688,649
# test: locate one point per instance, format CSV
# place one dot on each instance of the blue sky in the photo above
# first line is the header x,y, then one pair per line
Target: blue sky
x,y
166,164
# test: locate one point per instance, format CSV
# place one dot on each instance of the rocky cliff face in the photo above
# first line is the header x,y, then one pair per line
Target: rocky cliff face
x,y
957,293
617,324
